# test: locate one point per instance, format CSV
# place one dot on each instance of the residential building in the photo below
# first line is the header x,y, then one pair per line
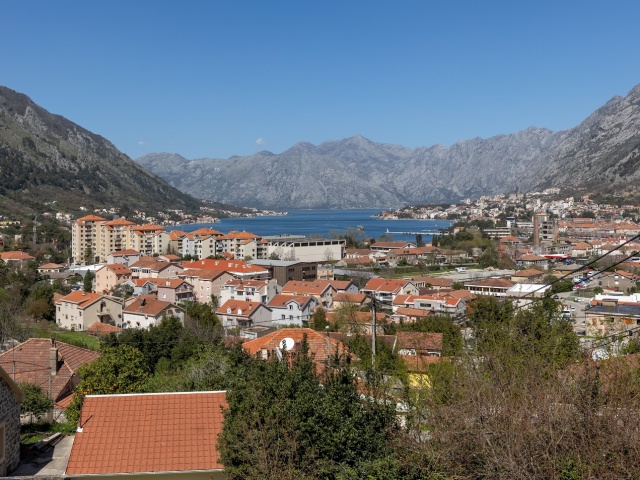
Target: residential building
x,y
16,258
109,276
292,310
242,245
238,268
79,310
146,311
173,435
175,290
532,261
322,290
50,268
388,246
49,364
618,280
112,236
343,299
206,283
529,275
322,347
305,249
239,313
284,271
385,290
433,283
142,286
148,239
495,287
152,268
10,398
260,291
85,239
124,257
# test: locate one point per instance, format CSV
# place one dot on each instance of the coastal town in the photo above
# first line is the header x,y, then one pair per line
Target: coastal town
x,y
268,292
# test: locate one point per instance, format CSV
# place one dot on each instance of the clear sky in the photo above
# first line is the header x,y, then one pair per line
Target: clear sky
x,y
215,79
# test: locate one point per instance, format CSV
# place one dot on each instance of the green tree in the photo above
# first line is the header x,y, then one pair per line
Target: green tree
x,y
87,284
284,422
452,341
119,369
36,403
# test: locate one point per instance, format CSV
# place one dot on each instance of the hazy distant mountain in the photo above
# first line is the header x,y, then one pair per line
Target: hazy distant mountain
x,y
356,172
46,158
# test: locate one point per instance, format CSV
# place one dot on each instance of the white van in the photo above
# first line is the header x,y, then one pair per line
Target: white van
x,y
461,269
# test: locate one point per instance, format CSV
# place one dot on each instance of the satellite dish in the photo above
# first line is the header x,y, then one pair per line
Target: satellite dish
x,y
287,344
599,354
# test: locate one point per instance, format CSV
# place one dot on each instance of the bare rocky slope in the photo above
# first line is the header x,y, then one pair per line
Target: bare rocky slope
x,y
355,172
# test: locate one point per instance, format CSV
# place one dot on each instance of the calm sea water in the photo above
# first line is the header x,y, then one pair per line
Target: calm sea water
x,y
326,223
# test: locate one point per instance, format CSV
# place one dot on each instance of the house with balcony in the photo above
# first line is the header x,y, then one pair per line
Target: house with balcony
x,y
261,291
206,283
79,310
152,268
385,290
175,290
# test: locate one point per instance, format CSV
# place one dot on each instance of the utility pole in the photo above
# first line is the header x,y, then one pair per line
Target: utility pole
x,y
373,332
35,230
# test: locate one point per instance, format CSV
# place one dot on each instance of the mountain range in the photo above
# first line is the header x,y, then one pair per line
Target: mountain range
x,y
600,153
49,163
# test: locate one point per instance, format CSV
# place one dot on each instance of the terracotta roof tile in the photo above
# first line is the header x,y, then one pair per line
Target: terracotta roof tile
x,y
16,256
28,362
317,342
148,433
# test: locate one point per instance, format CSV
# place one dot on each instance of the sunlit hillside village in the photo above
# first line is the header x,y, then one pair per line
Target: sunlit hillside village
x,y
268,292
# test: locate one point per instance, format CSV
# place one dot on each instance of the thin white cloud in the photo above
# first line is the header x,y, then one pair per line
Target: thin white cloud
x,y
142,142
260,141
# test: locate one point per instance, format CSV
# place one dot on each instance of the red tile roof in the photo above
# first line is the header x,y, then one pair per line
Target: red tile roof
x,y
299,287
148,433
50,266
420,340
239,307
15,256
317,342
122,253
28,362
83,299
101,328
91,218
148,305
236,266
345,297
280,300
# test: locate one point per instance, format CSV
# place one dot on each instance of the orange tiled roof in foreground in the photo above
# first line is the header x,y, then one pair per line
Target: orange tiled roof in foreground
x,y
148,433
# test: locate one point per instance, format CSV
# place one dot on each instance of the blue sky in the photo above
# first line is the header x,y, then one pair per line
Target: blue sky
x,y
215,79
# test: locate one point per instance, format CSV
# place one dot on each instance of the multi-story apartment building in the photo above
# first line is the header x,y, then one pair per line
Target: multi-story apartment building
x,y
85,239
148,239
95,238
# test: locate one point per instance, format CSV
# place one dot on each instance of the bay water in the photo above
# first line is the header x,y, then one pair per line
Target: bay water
x,y
327,224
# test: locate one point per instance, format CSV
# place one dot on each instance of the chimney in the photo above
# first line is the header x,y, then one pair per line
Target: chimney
x,y
53,360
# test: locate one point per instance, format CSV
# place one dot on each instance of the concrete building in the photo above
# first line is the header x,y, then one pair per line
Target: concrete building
x,y
283,271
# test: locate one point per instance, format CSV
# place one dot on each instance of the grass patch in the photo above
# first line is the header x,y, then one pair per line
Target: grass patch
x,y
79,339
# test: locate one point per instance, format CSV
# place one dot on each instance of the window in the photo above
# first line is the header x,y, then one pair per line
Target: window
x,y
283,317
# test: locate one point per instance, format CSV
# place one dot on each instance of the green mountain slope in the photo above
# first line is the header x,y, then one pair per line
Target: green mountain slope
x,y
49,163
